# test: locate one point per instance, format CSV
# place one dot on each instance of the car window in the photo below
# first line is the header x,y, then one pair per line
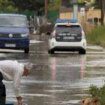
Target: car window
x,y
16,21
69,29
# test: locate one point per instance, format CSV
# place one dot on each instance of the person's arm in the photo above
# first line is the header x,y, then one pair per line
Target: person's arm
x,y
16,82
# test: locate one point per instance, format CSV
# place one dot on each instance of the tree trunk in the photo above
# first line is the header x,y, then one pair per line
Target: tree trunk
x,y
46,8
102,2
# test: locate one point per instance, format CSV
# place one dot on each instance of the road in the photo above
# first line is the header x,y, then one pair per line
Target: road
x,y
59,79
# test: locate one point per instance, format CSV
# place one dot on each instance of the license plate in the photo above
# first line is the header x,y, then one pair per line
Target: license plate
x,y
68,38
10,45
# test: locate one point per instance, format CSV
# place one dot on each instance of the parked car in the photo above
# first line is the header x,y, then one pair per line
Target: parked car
x,y
14,32
68,35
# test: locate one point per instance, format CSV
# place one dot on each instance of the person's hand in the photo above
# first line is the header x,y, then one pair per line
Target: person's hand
x,y
19,100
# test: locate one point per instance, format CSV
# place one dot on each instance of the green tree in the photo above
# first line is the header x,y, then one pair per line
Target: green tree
x,y
54,5
29,4
7,6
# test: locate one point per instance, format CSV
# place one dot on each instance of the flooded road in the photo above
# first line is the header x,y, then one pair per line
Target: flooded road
x,y
59,79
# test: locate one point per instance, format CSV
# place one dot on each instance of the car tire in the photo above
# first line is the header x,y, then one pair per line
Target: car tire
x,y
26,50
82,51
51,51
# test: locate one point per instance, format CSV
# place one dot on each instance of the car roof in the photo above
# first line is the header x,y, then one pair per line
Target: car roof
x,y
4,14
67,22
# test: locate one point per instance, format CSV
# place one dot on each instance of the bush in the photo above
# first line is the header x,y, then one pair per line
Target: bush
x,y
98,92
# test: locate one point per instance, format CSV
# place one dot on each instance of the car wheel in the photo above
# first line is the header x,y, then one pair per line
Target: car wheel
x,y
26,50
51,51
82,51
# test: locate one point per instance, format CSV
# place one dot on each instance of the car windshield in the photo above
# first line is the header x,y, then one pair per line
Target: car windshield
x,y
13,21
68,29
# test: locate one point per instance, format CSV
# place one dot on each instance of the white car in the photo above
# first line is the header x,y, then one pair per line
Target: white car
x,y
68,35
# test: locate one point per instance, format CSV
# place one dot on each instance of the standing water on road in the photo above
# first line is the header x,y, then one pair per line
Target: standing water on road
x,y
59,79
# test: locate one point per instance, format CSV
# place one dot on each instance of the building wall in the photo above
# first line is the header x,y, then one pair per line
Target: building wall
x,y
66,15
91,14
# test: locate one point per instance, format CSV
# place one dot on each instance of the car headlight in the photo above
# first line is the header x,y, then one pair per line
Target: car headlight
x,y
24,35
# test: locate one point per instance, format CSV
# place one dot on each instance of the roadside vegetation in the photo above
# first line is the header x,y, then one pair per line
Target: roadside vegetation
x,y
97,36
98,93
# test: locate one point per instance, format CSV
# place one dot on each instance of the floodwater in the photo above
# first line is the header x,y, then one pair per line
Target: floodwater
x,y
59,79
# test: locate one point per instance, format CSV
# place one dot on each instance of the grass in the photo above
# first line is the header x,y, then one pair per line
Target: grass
x,y
97,36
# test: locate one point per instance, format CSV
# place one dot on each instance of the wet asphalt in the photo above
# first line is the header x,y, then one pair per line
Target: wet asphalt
x,y
59,79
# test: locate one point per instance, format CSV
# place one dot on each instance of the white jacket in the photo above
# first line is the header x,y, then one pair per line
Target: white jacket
x,y
12,71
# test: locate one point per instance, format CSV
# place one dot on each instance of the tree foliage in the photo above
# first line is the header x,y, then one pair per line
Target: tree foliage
x,y
55,5
7,6
21,5
29,4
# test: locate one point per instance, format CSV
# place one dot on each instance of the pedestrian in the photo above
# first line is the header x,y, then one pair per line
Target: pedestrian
x,y
12,70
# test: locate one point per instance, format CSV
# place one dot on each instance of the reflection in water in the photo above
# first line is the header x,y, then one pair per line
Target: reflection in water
x,y
70,69
53,68
83,66
66,71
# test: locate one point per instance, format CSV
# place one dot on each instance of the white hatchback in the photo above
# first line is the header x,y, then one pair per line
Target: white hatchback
x,y
68,35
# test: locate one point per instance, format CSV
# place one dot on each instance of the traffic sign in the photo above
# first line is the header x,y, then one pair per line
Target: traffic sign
x,y
82,11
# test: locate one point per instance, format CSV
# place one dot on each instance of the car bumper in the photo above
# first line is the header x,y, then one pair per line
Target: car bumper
x,y
14,43
67,46
59,48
